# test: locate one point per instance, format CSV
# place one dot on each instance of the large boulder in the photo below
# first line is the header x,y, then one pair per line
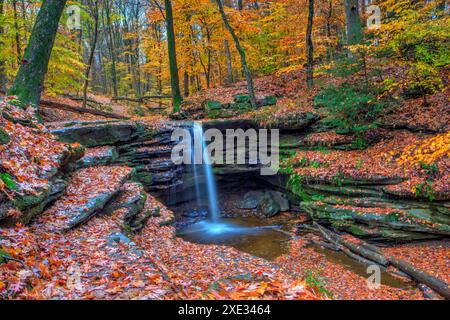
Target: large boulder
x,y
251,200
268,203
268,207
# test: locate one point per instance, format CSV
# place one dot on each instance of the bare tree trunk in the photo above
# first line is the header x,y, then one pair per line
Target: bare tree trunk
x,y
2,61
17,33
29,81
310,46
240,5
230,79
354,25
112,47
246,70
95,15
174,78
186,84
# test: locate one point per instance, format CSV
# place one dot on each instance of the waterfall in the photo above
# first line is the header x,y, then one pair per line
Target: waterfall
x,y
201,155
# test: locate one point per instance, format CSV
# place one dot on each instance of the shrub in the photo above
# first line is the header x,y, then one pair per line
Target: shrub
x,y
352,109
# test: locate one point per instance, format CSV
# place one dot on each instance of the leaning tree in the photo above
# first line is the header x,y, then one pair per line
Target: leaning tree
x,y
29,82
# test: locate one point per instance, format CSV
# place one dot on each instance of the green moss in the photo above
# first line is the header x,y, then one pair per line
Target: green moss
x,y
166,223
357,231
4,137
23,202
210,105
4,256
145,178
241,98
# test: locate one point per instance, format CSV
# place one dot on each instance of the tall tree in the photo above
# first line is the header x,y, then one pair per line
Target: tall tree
x,y
17,32
174,78
29,81
112,47
353,22
230,79
248,75
310,46
2,61
240,5
93,8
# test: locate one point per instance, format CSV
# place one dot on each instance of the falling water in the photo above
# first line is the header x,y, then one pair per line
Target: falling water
x,y
201,152
214,229
197,137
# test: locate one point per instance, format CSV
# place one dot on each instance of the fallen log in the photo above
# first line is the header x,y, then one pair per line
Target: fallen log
x,y
74,98
362,250
422,277
327,235
139,99
67,107
325,245
359,249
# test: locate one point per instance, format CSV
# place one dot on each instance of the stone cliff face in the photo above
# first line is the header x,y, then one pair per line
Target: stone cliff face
x,y
131,144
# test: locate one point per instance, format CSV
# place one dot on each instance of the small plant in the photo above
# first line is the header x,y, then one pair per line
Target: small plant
x,y
425,189
8,181
430,169
338,179
359,164
317,283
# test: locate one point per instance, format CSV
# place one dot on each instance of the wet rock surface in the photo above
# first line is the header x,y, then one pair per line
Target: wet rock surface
x,y
266,202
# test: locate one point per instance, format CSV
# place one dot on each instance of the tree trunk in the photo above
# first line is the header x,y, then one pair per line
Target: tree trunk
x,y
95,11
246,70
240,5
112,48
310,46
29,81
421,276
17,33
2,61
174,78
229,62
353,22
186,84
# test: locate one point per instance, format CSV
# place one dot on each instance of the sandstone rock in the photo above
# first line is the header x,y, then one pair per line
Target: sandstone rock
x,y
98,134
268,203
251,200
268,207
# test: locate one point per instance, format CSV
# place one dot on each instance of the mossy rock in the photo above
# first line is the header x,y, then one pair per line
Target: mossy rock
x,y
241,106
403,221
210,105
267,101
217,114
4,137
4,256
146,178
241,98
